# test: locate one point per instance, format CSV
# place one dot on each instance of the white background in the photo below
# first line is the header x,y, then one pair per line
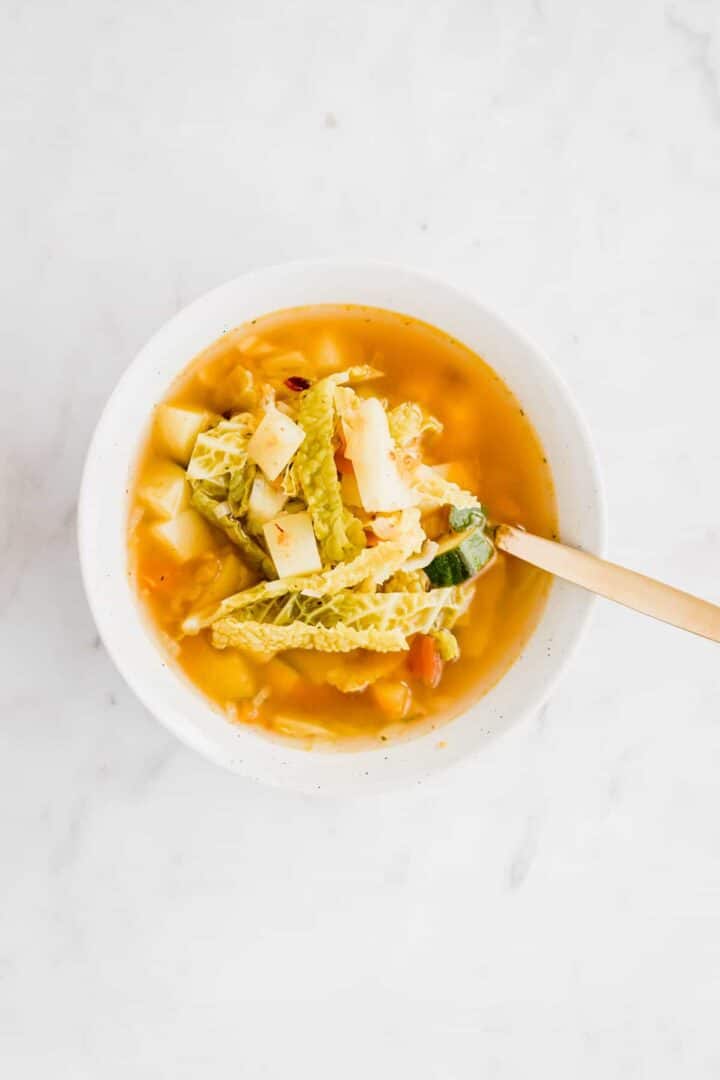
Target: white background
x,y
552,908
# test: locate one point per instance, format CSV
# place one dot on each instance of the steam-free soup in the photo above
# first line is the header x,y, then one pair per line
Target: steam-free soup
x,y
311,525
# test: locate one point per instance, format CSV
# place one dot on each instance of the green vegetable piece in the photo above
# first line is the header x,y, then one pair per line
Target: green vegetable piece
x,y
467,517
239,488
380,622
475,551
409,421
263,642
446,569
289,481
375,564
219,514
447,645
413,613
462,561
218,455
316,470
221,476
434,490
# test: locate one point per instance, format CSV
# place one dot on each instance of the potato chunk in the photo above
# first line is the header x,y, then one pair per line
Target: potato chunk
x,y
227,672
232,676
393,697
275,441
164,490
266,501
232,576
292,544
187,535
177,429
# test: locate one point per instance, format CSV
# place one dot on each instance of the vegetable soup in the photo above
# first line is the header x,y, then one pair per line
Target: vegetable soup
x,y
311,525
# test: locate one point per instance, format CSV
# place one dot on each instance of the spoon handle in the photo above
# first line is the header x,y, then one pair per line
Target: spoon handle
x,y
613,582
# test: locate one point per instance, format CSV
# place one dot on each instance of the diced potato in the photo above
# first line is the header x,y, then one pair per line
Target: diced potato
x,y
393,697
330,352
354,672
275,441
292,544
236,390
284,364
187,535
232,576
226,670
310,664
266,501
350,672
177,429
253,345
231,674
164,490
280,677
370,447
227,381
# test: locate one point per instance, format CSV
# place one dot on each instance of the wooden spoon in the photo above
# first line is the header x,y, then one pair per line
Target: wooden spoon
x,y
613,582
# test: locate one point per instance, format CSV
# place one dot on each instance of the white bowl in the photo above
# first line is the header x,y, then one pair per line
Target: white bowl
x,y
103,515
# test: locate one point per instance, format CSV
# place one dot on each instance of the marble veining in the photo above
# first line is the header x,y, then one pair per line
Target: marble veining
x,y
551,904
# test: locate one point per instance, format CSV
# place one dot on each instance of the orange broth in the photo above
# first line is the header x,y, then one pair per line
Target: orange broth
x,y
494,452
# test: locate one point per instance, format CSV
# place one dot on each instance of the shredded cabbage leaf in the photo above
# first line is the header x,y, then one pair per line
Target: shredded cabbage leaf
x,y
375,564
447,645
379,622
263,641
404,580
315,469
435,491
289,481
413,613
219,461
220,476
354,672
409,422
220,514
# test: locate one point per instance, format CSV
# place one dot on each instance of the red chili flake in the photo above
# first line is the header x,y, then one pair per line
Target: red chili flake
x,y
297,382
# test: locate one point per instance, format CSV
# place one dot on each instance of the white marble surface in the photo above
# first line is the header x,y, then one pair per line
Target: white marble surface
x,y
552,908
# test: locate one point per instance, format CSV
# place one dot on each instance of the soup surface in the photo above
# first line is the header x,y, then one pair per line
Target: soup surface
x,y
277,514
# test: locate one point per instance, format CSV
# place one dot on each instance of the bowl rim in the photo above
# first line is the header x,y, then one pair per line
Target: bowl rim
x,y
184,315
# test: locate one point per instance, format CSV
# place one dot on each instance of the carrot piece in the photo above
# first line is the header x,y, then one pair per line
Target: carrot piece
x,y
425,661
342,464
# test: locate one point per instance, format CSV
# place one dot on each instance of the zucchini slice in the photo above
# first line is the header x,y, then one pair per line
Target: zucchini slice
x,y
463,555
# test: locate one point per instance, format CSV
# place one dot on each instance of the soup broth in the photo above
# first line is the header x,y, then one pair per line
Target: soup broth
x,y
487,446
